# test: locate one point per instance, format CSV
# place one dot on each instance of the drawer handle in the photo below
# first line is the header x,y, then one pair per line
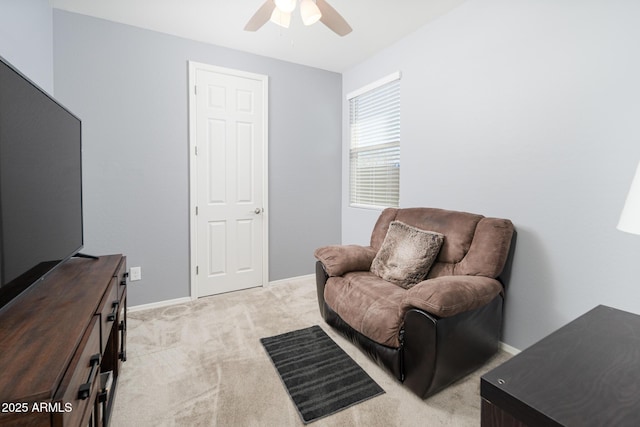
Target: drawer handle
x,y
114,310
122,354
123,281
85,389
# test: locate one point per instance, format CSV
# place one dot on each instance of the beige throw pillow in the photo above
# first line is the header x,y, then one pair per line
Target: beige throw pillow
x,y
406,255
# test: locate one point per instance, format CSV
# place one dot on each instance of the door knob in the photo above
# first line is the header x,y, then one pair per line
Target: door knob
x,y
258,211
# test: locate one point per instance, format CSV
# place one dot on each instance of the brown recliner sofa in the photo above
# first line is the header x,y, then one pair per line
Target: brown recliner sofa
x,y
436,331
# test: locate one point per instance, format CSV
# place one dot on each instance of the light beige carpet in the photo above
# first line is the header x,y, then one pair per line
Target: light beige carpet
x,y
202,364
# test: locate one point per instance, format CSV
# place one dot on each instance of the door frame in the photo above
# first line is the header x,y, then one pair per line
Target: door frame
x,y
193,178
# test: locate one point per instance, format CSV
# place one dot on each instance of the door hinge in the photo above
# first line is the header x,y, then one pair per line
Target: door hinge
x,y
196,147
195,89
197,270
196,210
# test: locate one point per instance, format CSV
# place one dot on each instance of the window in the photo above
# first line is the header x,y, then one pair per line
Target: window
x,y
374,155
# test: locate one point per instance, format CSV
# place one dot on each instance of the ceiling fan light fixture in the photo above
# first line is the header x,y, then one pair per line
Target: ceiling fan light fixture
x,y
281,18
310,12
279,12
286,6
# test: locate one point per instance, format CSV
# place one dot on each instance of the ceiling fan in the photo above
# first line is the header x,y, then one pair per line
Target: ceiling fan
x,y
279,12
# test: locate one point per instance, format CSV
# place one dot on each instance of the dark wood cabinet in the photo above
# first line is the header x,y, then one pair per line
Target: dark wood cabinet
x,y
586,373
61,346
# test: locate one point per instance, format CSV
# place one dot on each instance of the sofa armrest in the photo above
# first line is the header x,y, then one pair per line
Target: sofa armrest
x,y
446,296
340,259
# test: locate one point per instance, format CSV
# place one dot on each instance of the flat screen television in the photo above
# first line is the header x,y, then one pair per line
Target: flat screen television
x,y
40,183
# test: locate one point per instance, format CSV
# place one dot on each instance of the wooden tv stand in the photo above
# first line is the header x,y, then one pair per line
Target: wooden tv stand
x,y
61,346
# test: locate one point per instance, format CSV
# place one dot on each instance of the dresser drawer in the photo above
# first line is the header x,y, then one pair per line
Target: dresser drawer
x,y
77,393
26,418
121,276
108,311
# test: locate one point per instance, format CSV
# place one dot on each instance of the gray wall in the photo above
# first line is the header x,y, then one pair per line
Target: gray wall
x,y
129,86
26,39
528,110
519,109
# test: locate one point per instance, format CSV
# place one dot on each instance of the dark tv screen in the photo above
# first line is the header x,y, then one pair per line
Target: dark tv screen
x,y
40,183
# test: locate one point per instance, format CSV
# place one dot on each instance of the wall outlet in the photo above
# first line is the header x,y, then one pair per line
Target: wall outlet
x,y
135,273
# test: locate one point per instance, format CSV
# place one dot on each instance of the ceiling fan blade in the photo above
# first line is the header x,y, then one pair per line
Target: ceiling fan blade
x,y
332,19
261,16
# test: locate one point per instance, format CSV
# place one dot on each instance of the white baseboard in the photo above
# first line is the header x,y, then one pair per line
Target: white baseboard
x,y
158,304
505,347
188,299
292,279
511,350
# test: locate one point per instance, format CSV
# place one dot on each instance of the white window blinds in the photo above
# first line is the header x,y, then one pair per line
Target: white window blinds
x,y
374,117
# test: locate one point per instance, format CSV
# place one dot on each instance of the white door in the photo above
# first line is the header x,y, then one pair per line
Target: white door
x,y
228,122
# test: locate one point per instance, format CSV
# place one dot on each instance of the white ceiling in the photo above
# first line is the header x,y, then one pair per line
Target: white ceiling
x,y
376,24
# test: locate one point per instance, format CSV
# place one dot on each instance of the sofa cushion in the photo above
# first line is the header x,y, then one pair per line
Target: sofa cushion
x,y
339,259
406,255
368,304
